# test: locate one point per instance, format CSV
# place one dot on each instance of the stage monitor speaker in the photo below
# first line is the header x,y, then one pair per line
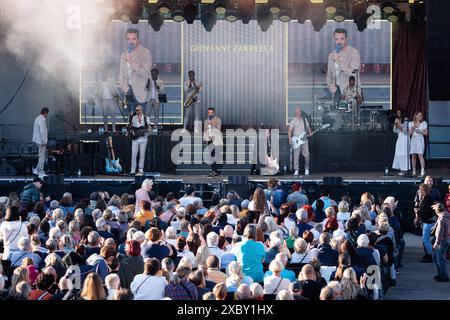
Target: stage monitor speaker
x,y
237,179
333,181
54,179
7,170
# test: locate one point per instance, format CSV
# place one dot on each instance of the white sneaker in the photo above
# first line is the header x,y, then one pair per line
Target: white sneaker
x,y
401,173
35,172
42,175
296,173
414,173
422,173
139,174
306,172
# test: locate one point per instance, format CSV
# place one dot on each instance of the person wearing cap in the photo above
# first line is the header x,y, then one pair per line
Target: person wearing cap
x,y
297,196
441,244
31,192
142,194
295,288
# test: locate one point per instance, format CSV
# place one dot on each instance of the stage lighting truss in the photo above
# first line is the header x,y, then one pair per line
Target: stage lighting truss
x,y
331,7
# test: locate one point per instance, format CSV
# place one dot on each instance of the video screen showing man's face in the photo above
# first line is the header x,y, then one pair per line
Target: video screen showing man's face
x,y
132,39
340,39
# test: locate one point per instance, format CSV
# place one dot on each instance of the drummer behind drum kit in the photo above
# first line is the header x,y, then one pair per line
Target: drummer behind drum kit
x,y
345,116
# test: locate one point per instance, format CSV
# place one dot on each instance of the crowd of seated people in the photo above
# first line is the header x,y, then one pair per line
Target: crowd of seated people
x,y
150,247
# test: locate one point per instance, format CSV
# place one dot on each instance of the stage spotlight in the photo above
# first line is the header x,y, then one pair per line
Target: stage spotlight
x,y
164,7
318,16
285,16
394,15
246,10
155,20
301,9
264,18
274,7
339,15
231,15
124,18
221,7
177,15
388,6
190,11
209,19
331,7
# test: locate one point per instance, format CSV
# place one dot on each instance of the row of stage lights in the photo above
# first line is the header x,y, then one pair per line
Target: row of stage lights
x,y
264,11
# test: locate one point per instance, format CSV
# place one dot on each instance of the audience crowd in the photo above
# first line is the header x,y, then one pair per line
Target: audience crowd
x,y
274,245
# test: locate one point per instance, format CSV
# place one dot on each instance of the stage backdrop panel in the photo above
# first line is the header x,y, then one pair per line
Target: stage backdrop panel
x,y
308,57
165,48
242,70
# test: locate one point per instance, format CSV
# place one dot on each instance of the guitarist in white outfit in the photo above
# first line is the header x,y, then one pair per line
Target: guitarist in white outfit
x,y
298,126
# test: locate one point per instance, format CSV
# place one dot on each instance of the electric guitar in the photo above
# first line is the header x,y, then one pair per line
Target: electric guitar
x,y
272,166
112,164
300,140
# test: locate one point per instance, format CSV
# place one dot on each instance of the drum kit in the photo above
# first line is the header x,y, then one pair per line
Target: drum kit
x,y
342,116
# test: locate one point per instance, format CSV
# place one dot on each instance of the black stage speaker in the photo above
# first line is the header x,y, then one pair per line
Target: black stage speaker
x,y
54,179
7,170
237,179
332,181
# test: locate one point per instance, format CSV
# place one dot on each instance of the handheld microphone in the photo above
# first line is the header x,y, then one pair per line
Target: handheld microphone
x,y
130,47
338,48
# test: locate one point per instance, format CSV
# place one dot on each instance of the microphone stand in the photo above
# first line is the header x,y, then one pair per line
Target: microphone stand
x,y
66,121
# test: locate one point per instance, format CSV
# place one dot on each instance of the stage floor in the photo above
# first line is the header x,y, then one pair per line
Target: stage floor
x,y
348,177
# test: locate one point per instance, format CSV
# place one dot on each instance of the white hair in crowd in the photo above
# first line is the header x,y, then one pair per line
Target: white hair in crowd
x,y
363,241
171,233
57,214
212,239
112,281
257,290
24,244
100,224
139,236
284,295
146,183
271,224
301,214
228,230
54,233
130,233
97,214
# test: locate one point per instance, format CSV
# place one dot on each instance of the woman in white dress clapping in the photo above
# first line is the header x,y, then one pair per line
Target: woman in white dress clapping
x,y
418,128
401,157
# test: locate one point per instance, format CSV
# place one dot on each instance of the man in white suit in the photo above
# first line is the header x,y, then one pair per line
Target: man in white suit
x,y
40,137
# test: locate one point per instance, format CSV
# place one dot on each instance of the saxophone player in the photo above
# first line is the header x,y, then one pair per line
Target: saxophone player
x,y
192,89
